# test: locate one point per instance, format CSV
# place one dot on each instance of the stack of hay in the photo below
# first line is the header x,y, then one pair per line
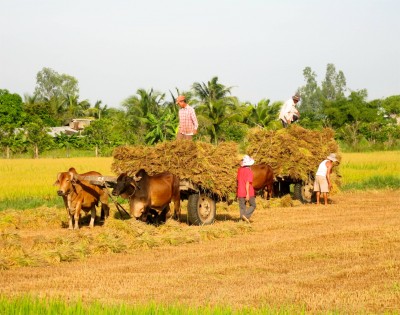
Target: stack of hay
x,y
293,151
211,167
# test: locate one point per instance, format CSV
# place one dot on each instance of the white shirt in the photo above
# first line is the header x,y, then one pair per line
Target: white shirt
x,y
322,169
287,111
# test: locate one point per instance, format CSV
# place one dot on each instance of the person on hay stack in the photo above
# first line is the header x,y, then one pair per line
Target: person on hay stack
x,y
323,183
187,119
245,189
289,113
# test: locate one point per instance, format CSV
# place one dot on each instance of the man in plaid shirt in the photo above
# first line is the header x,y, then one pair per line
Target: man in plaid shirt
x,y
187,119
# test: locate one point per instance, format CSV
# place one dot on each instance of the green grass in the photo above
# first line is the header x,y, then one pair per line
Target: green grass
x,y
27,305
374,182
30,202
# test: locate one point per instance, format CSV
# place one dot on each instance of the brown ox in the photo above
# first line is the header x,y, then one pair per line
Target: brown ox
x,y
147,192
81,195
263,179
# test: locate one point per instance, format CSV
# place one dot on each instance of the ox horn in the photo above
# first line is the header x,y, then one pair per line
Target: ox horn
x,y
73,177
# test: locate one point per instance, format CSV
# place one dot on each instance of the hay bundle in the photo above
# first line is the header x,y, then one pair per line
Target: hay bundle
x,y
211,167
292,151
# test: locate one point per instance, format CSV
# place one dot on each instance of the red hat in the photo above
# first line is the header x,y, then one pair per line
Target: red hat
x,y
181,98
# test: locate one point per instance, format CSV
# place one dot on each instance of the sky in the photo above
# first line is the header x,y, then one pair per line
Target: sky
x,y
259,48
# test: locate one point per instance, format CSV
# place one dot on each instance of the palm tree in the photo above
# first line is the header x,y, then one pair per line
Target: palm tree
x,y
212,91
264,113
140,106
215,106
97,111
144,102
74,107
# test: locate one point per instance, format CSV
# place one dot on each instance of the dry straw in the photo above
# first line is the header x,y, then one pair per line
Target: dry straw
x,y
293,152
211,167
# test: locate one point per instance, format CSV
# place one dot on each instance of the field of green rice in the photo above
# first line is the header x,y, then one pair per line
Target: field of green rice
x,y
27,183
370,170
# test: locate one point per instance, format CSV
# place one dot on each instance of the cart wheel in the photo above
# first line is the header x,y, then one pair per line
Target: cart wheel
x,y
201,209
303,191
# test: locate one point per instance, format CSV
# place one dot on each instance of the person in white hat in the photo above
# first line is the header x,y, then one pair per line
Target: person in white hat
x,y
289,113
323,183
245,190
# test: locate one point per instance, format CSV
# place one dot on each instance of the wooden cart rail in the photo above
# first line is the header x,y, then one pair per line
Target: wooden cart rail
x,y
110,181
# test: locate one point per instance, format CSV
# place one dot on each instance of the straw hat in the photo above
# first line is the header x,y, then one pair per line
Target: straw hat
x,y
332,157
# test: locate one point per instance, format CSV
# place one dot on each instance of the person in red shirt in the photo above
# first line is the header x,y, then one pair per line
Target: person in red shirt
x,y
245,189
187,119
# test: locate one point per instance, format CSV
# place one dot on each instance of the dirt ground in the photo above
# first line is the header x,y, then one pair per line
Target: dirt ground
x,y
342,257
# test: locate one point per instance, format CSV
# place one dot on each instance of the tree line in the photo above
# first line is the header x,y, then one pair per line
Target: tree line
x,y
150,116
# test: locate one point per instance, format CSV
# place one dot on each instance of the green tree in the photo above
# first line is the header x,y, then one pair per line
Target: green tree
x,y
391,105
98,110
139,106
264,114
62,140
215,107
11,117
212,91
120,126
334,85
50,84
349,110
76,108
100,134
161,128
37,136
42,109
60,92
311,106
11,108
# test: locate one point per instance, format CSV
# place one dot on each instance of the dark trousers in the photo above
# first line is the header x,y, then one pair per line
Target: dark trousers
x,y
247,212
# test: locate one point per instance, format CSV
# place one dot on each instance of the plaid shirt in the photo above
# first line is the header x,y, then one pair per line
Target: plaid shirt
x,y
187,120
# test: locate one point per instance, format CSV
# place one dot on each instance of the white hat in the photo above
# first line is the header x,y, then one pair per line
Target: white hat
x,y
247,161
332,157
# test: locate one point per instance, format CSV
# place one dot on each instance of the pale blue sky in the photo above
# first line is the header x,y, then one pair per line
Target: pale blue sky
x,y
259,47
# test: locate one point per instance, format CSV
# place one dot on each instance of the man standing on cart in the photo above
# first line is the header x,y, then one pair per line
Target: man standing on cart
x,y
187,119
289,112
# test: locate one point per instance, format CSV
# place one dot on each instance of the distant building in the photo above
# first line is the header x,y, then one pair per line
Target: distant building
x,y
54,131
80,123
75,127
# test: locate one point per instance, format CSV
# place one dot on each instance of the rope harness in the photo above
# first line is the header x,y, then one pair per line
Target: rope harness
x,y
119,207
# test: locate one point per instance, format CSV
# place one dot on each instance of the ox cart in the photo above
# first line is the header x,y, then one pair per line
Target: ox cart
x,y
302,189
201,206
294,154
208,172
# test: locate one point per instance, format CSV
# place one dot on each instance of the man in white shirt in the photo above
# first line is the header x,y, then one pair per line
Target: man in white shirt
x,y
323,183
289,112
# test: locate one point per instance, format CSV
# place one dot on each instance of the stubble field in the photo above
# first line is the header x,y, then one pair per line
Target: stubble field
x,y
344,258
